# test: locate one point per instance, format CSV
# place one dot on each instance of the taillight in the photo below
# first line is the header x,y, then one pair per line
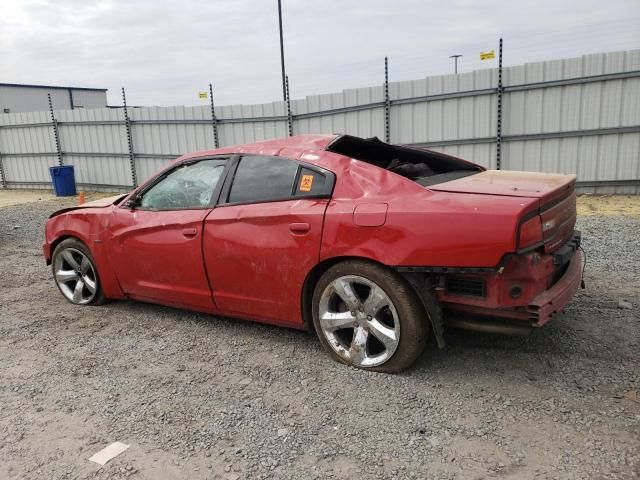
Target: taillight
x,y
530,232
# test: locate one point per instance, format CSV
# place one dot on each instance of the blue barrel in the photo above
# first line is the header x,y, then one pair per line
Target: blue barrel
x,y
64,180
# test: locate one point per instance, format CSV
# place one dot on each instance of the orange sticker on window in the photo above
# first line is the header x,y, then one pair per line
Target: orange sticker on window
x,y
305,183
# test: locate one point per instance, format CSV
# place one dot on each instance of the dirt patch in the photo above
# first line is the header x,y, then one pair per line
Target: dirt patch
x,y
608,205
17,197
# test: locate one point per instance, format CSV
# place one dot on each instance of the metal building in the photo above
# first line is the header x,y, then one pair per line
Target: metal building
x,y
16,97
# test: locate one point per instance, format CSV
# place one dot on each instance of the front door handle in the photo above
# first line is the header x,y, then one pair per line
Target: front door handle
x,y
190,232
299,228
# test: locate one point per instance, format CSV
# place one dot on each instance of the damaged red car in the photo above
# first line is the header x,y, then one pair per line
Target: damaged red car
x,y
374,246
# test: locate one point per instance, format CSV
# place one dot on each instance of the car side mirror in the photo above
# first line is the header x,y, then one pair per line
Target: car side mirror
x,y
133,202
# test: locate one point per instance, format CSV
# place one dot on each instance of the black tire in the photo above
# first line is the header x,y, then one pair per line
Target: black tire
x,y
74,244
414,322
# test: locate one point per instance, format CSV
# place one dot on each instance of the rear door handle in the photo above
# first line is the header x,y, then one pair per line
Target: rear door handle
x,y
299,228
190,232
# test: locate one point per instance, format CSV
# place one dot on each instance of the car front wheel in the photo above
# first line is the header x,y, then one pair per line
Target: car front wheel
x,y
75,273
368,316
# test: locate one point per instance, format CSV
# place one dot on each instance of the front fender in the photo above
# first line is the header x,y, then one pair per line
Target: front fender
x,y
90,226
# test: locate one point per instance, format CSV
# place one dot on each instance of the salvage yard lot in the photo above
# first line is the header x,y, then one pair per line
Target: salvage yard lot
x,y
202,397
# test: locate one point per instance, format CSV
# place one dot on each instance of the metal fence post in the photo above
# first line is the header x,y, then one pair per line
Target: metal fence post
x,y
56,134
214,120
132,157
387,103
499,119
3,180
289,116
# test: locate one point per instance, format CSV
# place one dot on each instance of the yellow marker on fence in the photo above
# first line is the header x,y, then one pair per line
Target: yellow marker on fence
x,y
487,55
203,95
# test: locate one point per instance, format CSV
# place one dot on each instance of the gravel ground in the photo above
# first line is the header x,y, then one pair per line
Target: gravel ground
x,y
203,397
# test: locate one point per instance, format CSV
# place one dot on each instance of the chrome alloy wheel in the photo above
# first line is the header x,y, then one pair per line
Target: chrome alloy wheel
x,y
359,321
75,276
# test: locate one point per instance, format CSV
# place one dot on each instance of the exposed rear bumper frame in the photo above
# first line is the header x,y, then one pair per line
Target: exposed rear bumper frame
x,y
552,301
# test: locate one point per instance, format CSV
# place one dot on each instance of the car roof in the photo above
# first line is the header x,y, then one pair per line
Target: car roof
x,y
271,147
335,152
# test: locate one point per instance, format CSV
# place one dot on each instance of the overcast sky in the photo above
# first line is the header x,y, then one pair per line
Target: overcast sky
x,y
164,52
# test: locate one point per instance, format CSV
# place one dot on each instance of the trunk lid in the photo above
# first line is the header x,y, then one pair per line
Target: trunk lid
x,y
544,186
555,195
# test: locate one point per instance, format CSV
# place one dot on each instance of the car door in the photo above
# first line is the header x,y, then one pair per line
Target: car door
x,y
264,237
156,241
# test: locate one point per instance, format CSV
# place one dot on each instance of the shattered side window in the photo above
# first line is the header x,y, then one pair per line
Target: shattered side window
x,y
188,186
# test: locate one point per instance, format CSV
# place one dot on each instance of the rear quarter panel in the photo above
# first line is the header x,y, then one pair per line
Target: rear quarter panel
x,y
422,227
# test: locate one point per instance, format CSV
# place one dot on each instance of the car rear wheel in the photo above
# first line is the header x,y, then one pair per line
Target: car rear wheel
x,y
368,316
75,273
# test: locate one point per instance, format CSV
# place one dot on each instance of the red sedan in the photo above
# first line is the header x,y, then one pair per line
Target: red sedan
x,y
372,245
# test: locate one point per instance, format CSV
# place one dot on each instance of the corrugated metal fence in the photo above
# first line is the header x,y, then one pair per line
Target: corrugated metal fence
x,y
578,115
